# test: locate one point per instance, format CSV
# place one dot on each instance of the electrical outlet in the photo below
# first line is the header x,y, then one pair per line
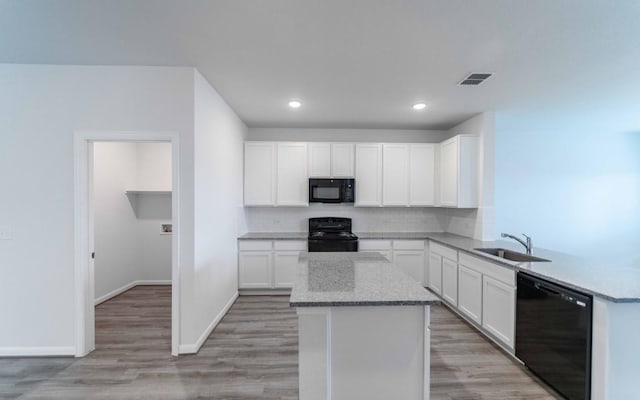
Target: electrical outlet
x,y
6,233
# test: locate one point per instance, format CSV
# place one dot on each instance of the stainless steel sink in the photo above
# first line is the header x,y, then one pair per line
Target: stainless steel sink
x,y
512,255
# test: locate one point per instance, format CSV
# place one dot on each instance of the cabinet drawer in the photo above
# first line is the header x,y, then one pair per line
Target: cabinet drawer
x,y
299,245
497,272
408,244
374,244
254,245
443,251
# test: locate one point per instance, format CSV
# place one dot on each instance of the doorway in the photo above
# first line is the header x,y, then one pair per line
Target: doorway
x,y
142,200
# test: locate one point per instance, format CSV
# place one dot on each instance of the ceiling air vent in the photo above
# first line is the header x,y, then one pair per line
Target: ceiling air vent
x,y
475,79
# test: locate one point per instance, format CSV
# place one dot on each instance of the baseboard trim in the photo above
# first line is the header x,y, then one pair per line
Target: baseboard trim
x,y
69,351
194,348
128,286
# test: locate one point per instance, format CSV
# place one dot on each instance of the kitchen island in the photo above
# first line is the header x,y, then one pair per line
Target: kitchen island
x,y
363,329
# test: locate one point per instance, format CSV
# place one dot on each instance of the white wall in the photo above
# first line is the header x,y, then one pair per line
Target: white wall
x,y
153,166
219,217
40,108
129,245
573,191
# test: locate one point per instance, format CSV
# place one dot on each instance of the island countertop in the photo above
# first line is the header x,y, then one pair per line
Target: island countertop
x,y
354,279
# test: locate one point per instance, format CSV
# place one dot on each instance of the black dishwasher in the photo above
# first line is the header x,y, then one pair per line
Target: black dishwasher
x,y
553,335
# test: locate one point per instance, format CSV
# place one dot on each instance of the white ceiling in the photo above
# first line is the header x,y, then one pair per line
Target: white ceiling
x,y
360,63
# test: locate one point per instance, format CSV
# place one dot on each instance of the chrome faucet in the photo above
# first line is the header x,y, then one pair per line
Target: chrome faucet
x,y
527,244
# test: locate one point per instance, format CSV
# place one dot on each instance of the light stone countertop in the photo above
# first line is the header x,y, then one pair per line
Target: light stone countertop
x,y
354,279
274,236
614,280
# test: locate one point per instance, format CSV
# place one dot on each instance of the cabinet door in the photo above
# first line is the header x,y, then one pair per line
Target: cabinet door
x,y
411,262
292,179
285,268
449,172
450,281
368,175
395,174
470,293
254,270
259,174
342,160
319,160
435,273
422,175
498,310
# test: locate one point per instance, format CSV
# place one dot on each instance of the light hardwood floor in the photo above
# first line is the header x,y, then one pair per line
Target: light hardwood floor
x,y
252,354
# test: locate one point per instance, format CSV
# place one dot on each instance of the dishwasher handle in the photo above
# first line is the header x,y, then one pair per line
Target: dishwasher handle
x,y
566,294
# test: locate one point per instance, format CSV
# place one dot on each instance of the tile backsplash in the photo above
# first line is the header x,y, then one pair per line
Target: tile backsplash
x,y
365,219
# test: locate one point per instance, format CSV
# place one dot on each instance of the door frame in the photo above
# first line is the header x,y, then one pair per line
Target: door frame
x,y
84,302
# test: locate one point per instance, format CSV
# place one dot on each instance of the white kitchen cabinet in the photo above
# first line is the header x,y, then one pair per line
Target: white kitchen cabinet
x,y
470,293
255,269
459,172
435,273
422,174
411,262
319,160
376,246
368,175
266,264
342,160
292,179
498,310
437,256
331,160
450,281
395,174
285,268
259,174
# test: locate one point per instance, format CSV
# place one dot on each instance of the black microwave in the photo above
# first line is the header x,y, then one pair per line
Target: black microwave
x,y
332,190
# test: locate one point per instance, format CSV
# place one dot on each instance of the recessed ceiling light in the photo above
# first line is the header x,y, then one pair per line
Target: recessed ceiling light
x,y
295,104
419,106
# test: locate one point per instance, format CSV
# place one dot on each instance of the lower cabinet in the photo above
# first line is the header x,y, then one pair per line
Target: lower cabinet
x,y
450,281
411,262
376,246
255,269
435,273
498,305
268,264
470,293
285,267
408,255
480,290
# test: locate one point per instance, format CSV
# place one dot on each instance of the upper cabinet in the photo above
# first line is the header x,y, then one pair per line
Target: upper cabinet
x,y
342,160
319,160
331,160
368,175
387,175
459,172
408,174
259,174
422,174
292,188
395,174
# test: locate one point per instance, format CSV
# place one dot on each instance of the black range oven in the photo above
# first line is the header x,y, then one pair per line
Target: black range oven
x,y
326,190
331,234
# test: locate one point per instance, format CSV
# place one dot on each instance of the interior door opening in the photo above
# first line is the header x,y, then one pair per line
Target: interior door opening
x,y
127,247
